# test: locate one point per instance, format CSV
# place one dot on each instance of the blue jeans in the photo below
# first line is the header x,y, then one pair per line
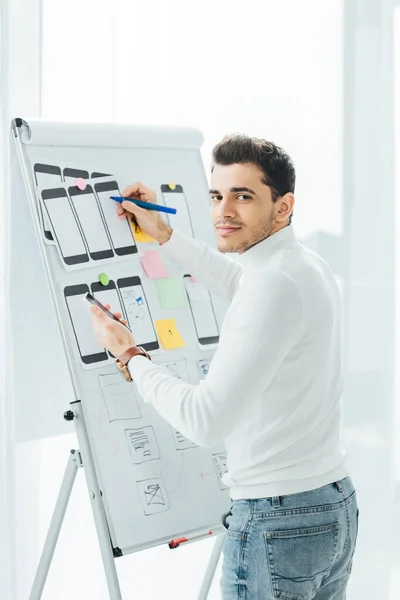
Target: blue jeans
x,y
294,547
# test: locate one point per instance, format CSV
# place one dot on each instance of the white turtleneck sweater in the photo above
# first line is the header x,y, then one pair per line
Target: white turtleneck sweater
x,y
273,390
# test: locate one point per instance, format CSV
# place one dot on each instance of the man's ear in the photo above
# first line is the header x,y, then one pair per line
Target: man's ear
x,y
285,208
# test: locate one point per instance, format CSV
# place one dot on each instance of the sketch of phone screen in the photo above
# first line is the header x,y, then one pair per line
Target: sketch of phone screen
x,y
176,199
71,175
65,227
137,312
90,350
120,230
91,222
47,176
108,294
203,314
97,175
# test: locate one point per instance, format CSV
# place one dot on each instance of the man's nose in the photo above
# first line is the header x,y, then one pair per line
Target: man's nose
x,y
226,208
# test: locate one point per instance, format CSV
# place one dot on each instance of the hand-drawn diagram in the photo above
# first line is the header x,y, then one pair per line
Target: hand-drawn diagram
x,y
177,368
134,306
142,444
119,397
219,461
153,496
182,442
204,366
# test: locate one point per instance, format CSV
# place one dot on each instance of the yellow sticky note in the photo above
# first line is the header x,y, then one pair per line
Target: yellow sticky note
x,y
140,236
169,334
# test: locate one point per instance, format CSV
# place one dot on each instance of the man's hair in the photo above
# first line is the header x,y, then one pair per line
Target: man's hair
x,y
273,161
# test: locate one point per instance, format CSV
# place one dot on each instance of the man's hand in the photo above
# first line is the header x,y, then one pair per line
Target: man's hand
x,y
149,221
110,334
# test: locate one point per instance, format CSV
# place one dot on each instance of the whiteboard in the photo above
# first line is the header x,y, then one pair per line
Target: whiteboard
x,y
156,484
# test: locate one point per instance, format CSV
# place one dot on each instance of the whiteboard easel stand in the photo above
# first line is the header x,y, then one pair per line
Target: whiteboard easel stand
x,y
108,553
22,134
74,462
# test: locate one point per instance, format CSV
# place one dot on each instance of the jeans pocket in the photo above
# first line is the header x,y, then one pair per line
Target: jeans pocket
x,y
298,559
226,522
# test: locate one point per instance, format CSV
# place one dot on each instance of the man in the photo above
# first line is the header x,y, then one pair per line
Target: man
x,y
273,391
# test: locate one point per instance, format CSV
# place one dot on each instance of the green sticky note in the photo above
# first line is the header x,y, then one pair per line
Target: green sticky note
x,y
170,292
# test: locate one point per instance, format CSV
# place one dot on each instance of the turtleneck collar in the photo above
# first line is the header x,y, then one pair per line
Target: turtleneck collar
x,y
264,250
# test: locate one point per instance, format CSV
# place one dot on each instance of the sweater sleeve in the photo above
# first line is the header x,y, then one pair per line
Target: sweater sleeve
x,y
264,323
218,273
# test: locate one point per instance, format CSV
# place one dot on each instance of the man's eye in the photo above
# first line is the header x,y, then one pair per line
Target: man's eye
x,y
216,198
244,197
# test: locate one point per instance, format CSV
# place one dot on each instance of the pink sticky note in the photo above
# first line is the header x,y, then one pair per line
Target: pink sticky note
x,y
81,184
194,279
153,264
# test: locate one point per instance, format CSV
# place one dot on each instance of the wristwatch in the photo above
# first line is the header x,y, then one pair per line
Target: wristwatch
x,y
122,361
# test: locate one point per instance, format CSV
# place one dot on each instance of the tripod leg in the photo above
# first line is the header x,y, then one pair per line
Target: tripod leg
x,y
55,527
100,520
211,568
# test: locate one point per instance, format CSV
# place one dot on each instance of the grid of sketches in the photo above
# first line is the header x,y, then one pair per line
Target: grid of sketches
x,y
181,442
219,461
124,296
119,397
78,215
153,496
142,444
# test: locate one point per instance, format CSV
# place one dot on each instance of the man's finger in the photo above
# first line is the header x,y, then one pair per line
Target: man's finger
x,y
97,312
137,211
132,189
118,315
138,189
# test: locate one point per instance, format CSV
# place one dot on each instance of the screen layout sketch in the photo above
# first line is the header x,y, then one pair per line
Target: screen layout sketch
x,y
84,223
125,296
175,198
202,310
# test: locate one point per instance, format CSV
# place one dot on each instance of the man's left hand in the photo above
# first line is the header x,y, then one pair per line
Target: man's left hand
x,y
111,334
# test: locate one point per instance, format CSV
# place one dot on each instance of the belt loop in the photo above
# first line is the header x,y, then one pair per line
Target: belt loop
x,y
339,486
276,501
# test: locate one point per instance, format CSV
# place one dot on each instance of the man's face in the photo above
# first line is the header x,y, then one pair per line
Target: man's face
x,y
242,211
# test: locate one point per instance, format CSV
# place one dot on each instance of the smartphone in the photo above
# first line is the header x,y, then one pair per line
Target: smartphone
x,y
74,174
89,349
202,310
47,176
120,230
137,312
177,199
91,222
106,294
65,227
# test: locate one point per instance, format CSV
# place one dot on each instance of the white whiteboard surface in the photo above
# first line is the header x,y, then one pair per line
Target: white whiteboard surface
x,y
156,485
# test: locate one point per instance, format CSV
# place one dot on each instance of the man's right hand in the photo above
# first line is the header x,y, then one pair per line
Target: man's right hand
x,y
149,221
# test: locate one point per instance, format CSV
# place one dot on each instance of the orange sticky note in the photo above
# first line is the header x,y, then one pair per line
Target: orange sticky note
x,y
168,333
140,236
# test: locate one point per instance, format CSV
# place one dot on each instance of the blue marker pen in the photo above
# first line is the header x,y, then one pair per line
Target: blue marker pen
x,y
147,205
